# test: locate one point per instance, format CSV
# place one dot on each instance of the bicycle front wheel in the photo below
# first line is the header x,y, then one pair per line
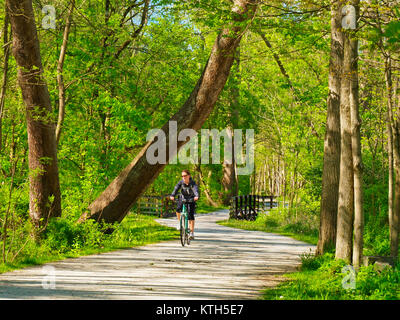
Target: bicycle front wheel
x,y
188,238
183,231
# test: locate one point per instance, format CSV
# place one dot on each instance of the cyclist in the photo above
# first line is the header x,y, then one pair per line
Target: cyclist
x,y
189,190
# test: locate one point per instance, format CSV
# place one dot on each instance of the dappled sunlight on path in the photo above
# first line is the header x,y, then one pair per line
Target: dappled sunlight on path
x,y
221,263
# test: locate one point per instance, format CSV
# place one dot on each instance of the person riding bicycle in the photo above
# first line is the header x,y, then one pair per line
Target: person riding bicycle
x,y
189,190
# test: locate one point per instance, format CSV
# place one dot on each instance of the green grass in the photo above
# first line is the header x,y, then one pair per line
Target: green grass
x,y
321,278
65,239
204,208
274,222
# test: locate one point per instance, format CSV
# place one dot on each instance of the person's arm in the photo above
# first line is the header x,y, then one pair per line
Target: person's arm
x,y
176,189
196,191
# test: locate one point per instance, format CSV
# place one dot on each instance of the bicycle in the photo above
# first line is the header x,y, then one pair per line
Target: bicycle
x,y
184,223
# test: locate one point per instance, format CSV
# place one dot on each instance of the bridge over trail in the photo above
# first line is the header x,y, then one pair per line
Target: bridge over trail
x,y
221,263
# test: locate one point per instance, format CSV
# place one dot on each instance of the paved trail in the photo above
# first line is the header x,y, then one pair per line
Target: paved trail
x,y
221,263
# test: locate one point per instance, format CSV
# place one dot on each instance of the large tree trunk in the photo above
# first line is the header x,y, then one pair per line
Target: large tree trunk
x,y
344,237
114,203
44,195
229,180
331,167
356,149
395,223
389,120
394,160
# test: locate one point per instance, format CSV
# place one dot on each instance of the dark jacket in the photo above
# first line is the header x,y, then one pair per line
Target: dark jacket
x,y
187,190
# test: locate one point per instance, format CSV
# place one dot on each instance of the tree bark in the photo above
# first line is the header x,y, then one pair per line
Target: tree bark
x,y
356,149
229,180
344,237
331,166
389,119
394,160
395,225
44,193
115,202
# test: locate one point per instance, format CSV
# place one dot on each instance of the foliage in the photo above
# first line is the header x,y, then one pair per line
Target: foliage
x,y
63,238
321,278
115,94
302,227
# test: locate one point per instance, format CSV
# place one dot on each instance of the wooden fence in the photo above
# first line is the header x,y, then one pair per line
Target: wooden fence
x,y
247,207
161,205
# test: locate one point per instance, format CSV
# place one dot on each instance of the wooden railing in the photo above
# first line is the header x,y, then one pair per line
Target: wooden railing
x,y
159,205
247,207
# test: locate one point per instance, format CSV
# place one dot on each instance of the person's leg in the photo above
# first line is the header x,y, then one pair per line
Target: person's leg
x,y
191,225
178,213
191,219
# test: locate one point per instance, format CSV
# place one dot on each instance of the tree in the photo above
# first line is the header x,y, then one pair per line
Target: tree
x,y
229,179
60,78
344,237
331,166
114,203
356,147
394,160
44,194
395,223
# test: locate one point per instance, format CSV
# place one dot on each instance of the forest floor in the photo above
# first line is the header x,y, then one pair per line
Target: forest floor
x,y
221,263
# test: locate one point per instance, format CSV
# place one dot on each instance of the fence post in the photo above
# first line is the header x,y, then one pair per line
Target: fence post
x,y
245,206
159,206
255,207
248,206
231,208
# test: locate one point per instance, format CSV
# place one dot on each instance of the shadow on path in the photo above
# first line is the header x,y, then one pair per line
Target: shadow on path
x,y
221,263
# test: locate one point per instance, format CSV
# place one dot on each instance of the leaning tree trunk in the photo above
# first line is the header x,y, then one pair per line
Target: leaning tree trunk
x,y
44,193
331,168
115,202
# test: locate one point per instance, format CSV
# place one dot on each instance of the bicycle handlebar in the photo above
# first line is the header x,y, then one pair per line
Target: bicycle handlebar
x,y
191,200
